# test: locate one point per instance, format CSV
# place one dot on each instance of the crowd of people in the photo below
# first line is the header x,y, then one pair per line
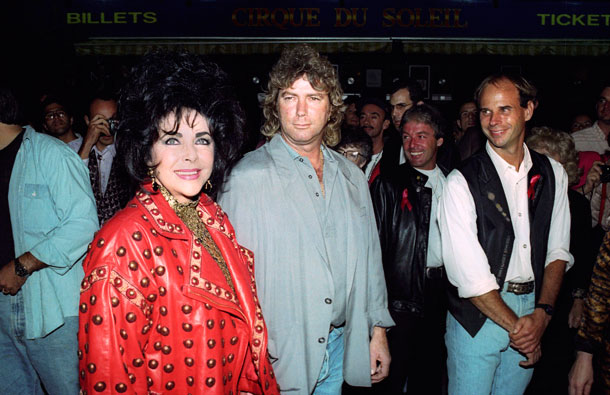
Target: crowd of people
x,y
369,245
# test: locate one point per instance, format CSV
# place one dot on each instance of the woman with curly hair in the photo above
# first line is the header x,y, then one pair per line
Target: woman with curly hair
x,y
168,303
550,375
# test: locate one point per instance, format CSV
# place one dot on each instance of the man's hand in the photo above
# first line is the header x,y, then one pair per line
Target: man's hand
x,y
581,374
10,282
576,313
593,177
528,331
380,355
532,358
97,126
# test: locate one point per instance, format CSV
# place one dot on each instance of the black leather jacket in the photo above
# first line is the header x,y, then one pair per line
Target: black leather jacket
x,y
403,233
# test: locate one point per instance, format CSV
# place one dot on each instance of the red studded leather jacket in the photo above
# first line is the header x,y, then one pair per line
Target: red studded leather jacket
x,y
157,315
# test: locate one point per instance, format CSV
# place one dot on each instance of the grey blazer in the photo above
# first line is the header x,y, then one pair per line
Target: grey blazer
x,y
269,205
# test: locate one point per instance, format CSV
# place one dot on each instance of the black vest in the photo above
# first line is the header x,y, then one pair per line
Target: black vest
x,y
495,228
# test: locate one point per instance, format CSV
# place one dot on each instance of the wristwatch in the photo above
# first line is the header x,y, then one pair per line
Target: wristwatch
x,y
20,270
546,307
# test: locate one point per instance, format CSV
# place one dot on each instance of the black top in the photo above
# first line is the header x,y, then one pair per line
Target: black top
x,y
7,160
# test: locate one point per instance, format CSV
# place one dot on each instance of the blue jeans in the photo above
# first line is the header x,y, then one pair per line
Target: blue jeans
x,y
27,364
330,379
486,364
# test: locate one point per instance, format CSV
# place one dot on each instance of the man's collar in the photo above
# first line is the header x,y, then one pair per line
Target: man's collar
x,y
503,166
109,149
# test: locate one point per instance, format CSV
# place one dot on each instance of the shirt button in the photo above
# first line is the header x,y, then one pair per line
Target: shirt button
x,y
310,177
300,159
317,194
524,245
321,340
520,214
328,300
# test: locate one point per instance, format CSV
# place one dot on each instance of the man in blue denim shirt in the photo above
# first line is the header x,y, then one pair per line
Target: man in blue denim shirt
x,y
44,187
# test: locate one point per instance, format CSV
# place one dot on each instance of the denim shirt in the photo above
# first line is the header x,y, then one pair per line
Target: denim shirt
x,y
53,216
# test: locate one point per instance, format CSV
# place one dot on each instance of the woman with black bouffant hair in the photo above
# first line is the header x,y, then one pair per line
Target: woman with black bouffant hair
x,y
168,303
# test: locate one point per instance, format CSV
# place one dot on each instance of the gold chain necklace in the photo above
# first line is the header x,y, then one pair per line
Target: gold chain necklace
x,y
187,212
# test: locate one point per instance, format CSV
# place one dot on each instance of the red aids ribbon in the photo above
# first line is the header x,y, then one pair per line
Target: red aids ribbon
x,y
530,190
405,201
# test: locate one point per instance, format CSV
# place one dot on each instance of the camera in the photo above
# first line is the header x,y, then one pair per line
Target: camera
x,y
605,176
113,125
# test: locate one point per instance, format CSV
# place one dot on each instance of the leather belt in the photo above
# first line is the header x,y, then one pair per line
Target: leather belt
x,y
435,272
520,288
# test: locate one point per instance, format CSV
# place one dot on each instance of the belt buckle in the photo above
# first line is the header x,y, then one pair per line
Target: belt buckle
x,y
434,272
520,288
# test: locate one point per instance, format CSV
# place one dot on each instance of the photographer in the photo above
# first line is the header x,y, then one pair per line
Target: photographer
x,y
109,181
597,190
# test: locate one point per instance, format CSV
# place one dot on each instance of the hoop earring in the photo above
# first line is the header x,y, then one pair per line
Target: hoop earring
x,y
151,174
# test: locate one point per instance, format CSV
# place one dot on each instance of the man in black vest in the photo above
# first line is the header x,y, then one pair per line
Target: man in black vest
x,y
110,184
405,204
505,222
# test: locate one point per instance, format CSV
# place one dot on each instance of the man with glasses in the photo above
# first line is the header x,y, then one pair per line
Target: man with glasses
x,y
57,121
356,146
108,179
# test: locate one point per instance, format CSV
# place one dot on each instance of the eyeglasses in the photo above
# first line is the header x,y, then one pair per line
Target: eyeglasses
x,y
350,154
55,114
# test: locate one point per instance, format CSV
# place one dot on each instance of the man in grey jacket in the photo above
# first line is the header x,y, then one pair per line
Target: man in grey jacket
x,y
306,213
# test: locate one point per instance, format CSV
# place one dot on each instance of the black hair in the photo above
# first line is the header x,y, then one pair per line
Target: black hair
x,y
57,99
377,102
357,138
425,113
10,111
167,82
416,93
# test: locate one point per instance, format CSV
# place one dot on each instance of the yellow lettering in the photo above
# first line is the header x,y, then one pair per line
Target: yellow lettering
x,y
150,17
103,19
593,20
434,18
119,18
543,18
456,18
235,17
292,14
355,17
284,21
339,21
387,16
72,18
312,17
400,20
562,17
91,21
135,16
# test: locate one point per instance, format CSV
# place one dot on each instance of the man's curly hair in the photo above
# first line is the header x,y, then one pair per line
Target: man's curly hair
x,y
167,82
294,63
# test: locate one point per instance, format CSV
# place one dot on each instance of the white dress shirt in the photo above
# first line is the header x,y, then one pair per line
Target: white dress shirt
x,y
104,163
436,182
368,170
465,261
76,143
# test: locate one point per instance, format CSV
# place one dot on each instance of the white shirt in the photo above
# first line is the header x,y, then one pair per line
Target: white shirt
x,y
104,163
465,261
591,139
372,163
75,144
436,182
